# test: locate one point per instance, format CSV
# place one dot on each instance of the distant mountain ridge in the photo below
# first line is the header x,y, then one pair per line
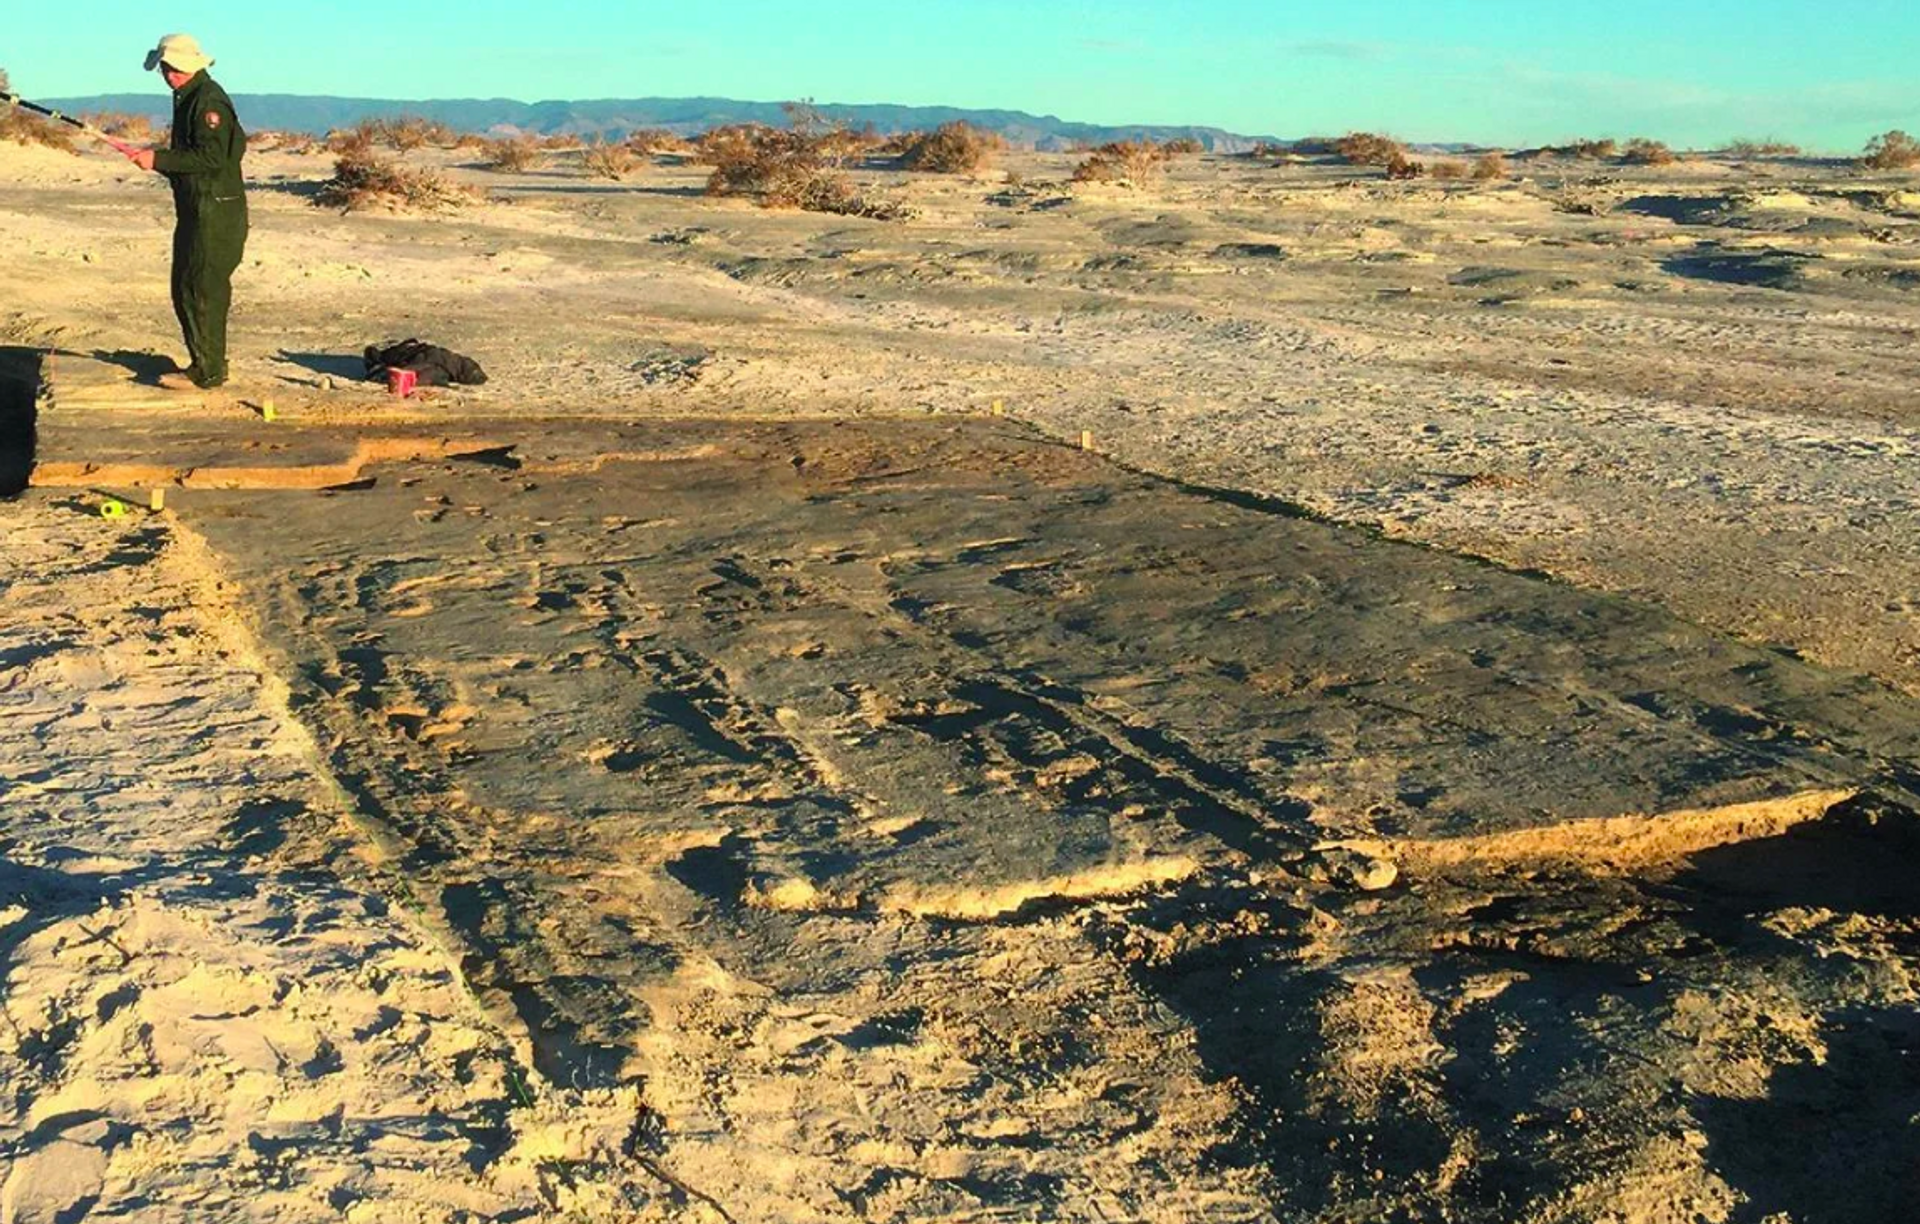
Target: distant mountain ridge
x,y
616,117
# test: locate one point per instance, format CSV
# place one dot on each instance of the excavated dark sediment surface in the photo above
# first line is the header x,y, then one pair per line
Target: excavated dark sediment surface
x,y
841,710
19,392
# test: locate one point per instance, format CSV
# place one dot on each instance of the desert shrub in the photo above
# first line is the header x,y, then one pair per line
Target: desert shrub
x,y
648,141
409,132
952,148
1313,146
1140,160
1486,166
1133,161
510,154
1369,149
1097,168
842,146
561,142
779,169
1591,150
1400,166
358,139
1183,146
832,140
613,161
1582,201
809,141
731,144
1893,150
785,169
26,128
366,180
1641,151
1760,148
284,142
824,191
470,140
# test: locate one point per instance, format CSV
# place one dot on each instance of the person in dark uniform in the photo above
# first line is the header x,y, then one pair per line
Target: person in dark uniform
x,y
202,161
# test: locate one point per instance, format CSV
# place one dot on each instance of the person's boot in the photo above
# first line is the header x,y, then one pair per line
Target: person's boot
x,y
189,379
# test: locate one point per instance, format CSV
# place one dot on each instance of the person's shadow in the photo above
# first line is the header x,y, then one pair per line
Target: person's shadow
x,y
145,367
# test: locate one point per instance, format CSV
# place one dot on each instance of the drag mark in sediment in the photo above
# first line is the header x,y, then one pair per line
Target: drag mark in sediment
x,y
694,694
1149,765
1036,728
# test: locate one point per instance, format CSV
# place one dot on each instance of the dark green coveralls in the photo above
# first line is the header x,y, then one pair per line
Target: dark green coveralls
x,y
210,219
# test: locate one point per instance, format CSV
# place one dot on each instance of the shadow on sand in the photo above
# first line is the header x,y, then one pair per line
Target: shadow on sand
x,y
1769,269
146,368
299,188
349,366
1681,210
1830,1142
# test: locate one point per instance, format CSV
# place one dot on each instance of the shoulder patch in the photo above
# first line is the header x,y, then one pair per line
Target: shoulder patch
x,y
213,118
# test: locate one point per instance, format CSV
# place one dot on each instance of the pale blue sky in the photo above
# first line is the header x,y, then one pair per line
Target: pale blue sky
x,y
1824,74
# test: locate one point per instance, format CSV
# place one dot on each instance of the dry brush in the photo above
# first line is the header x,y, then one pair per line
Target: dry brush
x,y
787,168
1894,150
510,154
363,179
952,148
1134,162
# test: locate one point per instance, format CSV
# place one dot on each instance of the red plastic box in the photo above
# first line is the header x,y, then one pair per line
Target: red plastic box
x,y
402,382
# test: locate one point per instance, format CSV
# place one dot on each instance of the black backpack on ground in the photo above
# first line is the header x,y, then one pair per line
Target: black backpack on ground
x,y
435,366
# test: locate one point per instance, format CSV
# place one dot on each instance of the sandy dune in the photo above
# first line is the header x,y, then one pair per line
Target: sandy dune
x,y
1448,752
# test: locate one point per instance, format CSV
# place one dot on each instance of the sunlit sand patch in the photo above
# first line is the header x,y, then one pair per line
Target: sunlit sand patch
x,y
970,903
366,452
894,826
797,896
1624,843
961,902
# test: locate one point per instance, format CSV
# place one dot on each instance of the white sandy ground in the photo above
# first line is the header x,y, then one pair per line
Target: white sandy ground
x,y
216,1008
